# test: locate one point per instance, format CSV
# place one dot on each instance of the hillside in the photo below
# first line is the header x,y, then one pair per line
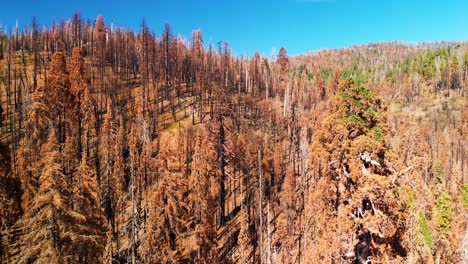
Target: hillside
x,y
130,147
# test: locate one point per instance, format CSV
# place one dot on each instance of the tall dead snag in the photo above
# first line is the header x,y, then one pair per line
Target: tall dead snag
x,y
144,63
101,43
100,35
354,209
166,41
197,74
220,128
35,48
283,62
222,158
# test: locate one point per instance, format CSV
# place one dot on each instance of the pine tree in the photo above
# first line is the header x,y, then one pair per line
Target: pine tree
x,y
58,97
283,60
45,218
72,148
100,32
101,44
106,158
78,86
63,225
89,226
455,82
88,120
352,194
29,169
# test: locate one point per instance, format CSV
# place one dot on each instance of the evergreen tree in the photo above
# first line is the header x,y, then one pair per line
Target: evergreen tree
x,y
100,32
45,219
78,85
455,82
58,97
106,158
89,228
352,204
29,168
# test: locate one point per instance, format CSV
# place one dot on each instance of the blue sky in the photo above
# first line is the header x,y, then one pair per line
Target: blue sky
x,y
249,25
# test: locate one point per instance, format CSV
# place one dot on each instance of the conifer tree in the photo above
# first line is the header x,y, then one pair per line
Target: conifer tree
x,y
29,168
78,85
58,97
88,120
106,158
100,32
283,59
89,226
101,44
454,73
63,225
352,204
45,218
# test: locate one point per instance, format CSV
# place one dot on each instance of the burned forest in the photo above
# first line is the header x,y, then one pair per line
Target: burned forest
x,y
123,146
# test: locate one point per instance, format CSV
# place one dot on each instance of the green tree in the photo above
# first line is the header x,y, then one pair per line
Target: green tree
x,y
444,206
465,195
352,192
428,68
454,73
444,213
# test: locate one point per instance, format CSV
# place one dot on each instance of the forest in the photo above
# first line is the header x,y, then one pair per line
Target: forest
x,y
119,146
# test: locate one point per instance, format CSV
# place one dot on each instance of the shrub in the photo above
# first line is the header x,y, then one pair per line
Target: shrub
x,y
425,230
378,134
444,212
465,195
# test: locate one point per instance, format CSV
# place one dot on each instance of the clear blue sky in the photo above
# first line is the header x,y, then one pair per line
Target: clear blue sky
x,y
250,25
